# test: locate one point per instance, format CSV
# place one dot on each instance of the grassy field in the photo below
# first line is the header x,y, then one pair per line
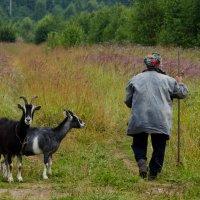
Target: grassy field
x,y
97,162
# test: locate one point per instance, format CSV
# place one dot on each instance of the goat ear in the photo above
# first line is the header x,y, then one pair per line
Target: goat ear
x,y
67,114
20,106
37,107
71,113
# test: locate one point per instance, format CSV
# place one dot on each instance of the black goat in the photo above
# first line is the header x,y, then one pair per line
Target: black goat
x,y
13,135
46,140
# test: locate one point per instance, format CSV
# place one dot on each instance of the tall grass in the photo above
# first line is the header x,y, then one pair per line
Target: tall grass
x,y
97,162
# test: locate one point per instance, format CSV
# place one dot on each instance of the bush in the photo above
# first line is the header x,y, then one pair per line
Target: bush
x,y
98,23
7,33
44,27
147,21
72,35
54,39
26,29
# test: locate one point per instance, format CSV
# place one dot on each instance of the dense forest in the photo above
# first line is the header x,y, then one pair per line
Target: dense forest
x,y
73,22
36,9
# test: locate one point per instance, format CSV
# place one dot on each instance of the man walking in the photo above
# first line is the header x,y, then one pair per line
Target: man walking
x,y
150,96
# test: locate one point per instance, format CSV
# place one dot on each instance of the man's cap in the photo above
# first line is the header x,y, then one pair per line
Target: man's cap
x,y
152,60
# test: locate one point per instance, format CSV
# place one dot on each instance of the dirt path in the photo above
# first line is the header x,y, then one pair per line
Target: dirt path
x,y
30,191
27,191
150,188
131,164
30,194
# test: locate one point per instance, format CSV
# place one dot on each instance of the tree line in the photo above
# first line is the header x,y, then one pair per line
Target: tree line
x,y
145,22
37,9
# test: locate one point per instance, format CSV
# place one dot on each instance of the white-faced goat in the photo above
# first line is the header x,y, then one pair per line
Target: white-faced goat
x,y
46,140
12,138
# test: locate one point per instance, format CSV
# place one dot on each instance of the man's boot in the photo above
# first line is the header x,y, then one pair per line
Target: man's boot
x,y
142,168
152,176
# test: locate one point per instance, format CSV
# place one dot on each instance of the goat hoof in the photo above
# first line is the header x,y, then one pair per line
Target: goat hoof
x,y
45,177
10,180
20,179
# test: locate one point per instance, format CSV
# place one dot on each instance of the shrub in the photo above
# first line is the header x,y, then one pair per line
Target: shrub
x,y
44,27
26,29
72,35
7,33
98,23
54,39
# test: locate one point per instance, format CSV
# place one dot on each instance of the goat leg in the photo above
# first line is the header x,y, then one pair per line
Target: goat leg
x,y
49,165
19,164
3,167
46,165
9,165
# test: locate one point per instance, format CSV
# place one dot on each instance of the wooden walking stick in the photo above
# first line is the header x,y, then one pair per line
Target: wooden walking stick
x,y
179,109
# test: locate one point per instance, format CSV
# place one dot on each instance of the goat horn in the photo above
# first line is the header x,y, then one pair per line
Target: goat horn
x,y
25,100
33,99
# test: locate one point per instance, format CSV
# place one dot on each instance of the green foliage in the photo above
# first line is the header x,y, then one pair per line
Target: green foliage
x,y
147,21
3,16
70,11
98,23
72,35
7,33
91,5
27,29
54,39
180,23
37,9
118,28
40,9
31,4
44,27
172,29
58,12
106,25
113,24
84,21
22,12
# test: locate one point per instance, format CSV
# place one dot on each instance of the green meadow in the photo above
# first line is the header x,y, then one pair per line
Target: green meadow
x,y
97,162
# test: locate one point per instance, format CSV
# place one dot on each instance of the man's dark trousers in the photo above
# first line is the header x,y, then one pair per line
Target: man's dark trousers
x,y
139,146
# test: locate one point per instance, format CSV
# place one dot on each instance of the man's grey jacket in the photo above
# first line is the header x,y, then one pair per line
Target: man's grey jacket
x,y
150,96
